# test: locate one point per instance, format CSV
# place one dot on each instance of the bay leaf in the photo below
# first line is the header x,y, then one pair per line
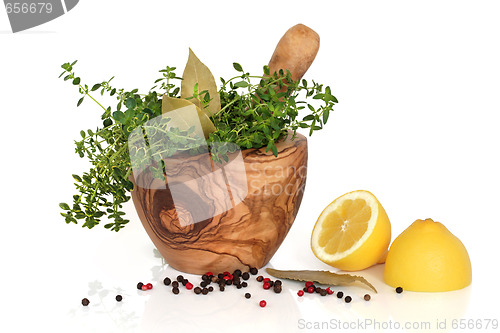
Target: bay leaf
x,y
171,103
197,73
322,277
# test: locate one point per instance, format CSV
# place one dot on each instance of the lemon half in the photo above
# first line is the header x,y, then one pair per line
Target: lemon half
x,y
352,233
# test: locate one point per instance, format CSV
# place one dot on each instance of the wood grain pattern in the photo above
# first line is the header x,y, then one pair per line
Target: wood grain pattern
x,y
246,233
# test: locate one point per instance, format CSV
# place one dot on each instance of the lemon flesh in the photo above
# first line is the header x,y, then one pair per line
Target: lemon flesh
x,y
427,257
352,233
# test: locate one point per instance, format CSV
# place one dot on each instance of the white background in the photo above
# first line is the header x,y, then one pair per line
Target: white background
x,y
417,125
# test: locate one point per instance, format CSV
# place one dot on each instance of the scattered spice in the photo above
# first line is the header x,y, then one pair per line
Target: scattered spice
x,y
139,285
175,290
175,284
322,277
329,291
300,292
118,298
204,291
260,278
248,295
348,299
245,276
262,303
277,288
144,287
254,271
367,297
85,302
197,290
340,294
189,286
266,285
399,290
180,278
323,292
167,281
310,290
149,286
222,288
244,284
210,288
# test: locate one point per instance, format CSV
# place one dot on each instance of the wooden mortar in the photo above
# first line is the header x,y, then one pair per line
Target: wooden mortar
x,y
248,233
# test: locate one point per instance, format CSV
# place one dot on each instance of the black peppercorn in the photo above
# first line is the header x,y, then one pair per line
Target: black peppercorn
x,y
245,276
305,289
244,284
166,281
184,282
399,290
180,278
323,292
222,288
203,284
254,271
204,291
210,288
85,302
197,290
220,276
318,289
139,285
238,286
340,294
214,279
205,277
367,297
237,272
278,282
277,288
175,284
248,295
118,298
348,299
175,290
229,282
260,278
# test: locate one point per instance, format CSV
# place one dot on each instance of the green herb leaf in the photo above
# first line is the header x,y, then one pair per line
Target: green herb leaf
x,y
197,73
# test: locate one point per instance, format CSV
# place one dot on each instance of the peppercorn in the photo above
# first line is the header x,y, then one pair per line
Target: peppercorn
x,y
300,292
180,278
204,291
118,298
245,276
204,277
367,297
209,274
340,294
189,286
139,285
185,282
222,288
244,284
229,282
318,289
329,291
248,295
254,271
167,281
220,276
310,290
266,285
175,290
348,299
266,280
215,279
308,284
260,278
144,287
305,289
277,288
175,284
210,288
278,282
149,285
197,290
237,272
399,290
203,284
85,302
323,292
262,303
238,286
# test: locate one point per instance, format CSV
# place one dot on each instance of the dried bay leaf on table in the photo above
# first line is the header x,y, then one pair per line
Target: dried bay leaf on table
x,y
322,277
197,73
185,120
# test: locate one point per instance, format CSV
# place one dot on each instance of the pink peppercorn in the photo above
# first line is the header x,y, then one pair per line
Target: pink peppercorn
x,y
266,285
300,292
310,290
262,303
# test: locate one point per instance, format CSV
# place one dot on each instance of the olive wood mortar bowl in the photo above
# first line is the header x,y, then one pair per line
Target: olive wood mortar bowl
x,y
236,224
